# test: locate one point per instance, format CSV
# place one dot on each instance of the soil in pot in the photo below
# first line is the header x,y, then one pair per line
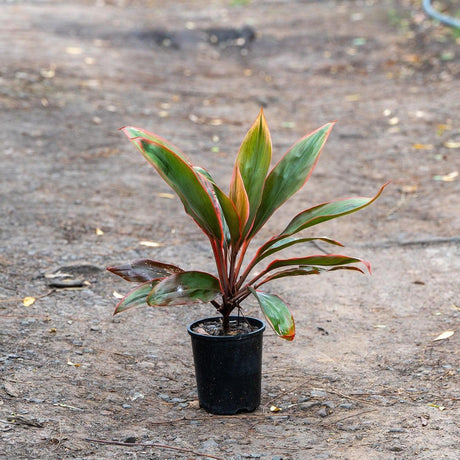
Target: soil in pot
x,y
214,327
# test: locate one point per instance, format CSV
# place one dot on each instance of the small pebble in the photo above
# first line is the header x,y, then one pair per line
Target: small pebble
x,y
130,439
318,394
346,406
309,405
209,444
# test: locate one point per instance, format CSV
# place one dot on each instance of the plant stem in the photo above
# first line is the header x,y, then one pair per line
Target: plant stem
x,y
240,263
226,324
221,268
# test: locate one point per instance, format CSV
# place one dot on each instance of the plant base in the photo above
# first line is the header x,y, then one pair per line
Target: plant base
x,y
228,369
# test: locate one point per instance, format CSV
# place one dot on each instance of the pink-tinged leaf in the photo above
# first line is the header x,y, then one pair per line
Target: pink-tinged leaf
x,y
134,133
135,297
182,178
239,197
144,270
184,288
321,260
356,269
290,174
251,166
230,218
324,212
290,272
277,314
302,271
284,243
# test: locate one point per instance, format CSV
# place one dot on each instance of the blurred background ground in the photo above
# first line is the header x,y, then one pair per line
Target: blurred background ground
x,y
365,377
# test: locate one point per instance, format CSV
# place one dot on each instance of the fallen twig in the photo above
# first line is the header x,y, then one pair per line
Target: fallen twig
x,y
223,417
420,242
47,293
154,445
352,398
353,415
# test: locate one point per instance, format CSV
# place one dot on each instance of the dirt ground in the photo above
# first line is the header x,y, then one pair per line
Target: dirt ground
x,y
365,377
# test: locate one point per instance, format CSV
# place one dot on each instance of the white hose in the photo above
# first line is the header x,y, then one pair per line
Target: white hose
x,y
448,20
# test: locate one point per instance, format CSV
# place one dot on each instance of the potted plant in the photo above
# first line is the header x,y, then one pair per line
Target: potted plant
x,y
228,376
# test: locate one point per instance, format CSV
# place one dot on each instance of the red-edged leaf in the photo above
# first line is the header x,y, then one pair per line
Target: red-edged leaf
x,y
321,260
324,212
135,297
182,178
284,243
144,270
290,272
239,197
251,167
184,288
277,314
134,133
290,174
302,271
229,212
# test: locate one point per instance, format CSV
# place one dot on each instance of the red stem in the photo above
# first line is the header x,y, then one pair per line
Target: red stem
x,y
221,267
240,263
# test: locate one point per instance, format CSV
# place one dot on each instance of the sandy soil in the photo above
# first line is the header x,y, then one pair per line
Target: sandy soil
x,y
365,377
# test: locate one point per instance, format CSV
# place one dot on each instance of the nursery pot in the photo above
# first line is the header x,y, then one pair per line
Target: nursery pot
x,y
228,369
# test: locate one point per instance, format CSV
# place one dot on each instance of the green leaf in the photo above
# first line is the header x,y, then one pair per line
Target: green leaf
x,y
277,314
290,174
135,297
134,133
290,272
284,243
324,212
183,288
144,270
322,260
226,205
240,198
302,271
251,168
181,177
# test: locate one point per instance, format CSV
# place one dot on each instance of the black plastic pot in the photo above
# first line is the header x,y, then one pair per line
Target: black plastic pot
x,y
228,369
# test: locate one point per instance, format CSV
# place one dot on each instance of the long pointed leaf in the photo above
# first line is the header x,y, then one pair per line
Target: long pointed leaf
x,y
227,206
184,288
290,174
284,243
135,297
252,164
326,211
321,260
181,177
277,314
144,270
134,133
302,271
240,198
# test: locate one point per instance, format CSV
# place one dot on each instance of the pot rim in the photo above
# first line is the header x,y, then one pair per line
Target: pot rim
x,y
260,329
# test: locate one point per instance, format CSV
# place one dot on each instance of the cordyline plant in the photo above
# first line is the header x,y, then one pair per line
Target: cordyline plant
x,y
231,221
